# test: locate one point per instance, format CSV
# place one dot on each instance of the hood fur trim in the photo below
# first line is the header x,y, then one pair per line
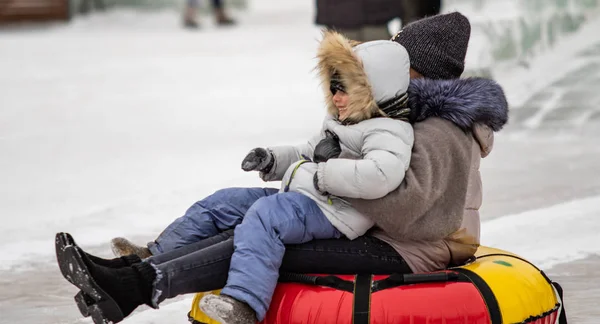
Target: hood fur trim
x,y
464,102
335,54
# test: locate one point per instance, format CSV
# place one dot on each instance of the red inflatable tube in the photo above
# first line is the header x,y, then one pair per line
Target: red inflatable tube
x,y
425,303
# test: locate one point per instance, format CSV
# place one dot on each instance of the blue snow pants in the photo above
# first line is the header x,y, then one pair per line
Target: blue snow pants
x,y
264,220
208,217
271,222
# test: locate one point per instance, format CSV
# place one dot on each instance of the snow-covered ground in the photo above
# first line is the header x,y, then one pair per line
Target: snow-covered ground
x,y
113,125
115,130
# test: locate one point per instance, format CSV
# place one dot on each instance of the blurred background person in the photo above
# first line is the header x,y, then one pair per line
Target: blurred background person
x,y
85,6
190,15
366,20
413,10
361,20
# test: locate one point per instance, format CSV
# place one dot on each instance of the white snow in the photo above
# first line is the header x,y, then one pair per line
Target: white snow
x,y
115,124
173,313
522,82
116,133
485,11
116,129
548,236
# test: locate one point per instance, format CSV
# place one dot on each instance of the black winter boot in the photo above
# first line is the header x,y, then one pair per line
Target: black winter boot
x,y
63,240
83,301
112,293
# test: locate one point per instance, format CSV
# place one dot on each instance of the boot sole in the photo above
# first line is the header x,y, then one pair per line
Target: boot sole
x,y
92,299
84,301
61,241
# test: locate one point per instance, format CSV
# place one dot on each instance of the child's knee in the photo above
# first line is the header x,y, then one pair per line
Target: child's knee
x,y
265,210
221,197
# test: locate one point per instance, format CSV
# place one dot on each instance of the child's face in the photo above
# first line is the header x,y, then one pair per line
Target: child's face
x,y
340,100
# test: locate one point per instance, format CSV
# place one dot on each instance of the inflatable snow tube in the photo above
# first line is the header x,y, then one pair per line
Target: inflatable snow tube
x,y
496,287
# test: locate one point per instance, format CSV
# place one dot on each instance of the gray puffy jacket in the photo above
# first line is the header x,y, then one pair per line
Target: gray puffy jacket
x,y
375,150
375,155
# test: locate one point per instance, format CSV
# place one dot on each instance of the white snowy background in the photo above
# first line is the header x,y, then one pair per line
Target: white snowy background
x,y
114,124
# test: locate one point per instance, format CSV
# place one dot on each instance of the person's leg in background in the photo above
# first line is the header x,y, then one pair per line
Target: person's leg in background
x,y
85,6
220,16
190,14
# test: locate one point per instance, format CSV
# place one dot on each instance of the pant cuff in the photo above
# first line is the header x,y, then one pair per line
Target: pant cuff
x,y
156,293
245,296
154,248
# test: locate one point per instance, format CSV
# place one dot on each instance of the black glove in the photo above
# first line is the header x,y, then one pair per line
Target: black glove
x,y
328,148
258,159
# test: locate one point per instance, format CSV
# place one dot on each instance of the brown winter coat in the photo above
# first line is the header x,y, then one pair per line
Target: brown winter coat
x,y
432,219
464,185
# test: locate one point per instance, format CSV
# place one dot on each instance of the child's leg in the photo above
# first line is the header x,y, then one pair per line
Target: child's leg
x,y
218,212
284,218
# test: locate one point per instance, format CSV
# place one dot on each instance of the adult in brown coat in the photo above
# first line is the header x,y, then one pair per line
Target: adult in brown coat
x,y
427,223
432,220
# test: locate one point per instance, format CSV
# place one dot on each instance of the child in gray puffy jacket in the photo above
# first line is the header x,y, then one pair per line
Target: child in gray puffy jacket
x,y
363,151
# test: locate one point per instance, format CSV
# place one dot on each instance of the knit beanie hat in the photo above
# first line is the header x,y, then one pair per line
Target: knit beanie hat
x,y
437,45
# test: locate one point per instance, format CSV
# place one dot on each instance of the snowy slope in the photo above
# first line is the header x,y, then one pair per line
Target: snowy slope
x,y
112,133
115,124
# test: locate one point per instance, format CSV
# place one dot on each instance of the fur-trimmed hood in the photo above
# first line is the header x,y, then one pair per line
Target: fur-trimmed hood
x,y
465,102
372,73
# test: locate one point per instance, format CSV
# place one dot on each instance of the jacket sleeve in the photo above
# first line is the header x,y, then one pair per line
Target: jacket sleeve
x,y
286,155
386,156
